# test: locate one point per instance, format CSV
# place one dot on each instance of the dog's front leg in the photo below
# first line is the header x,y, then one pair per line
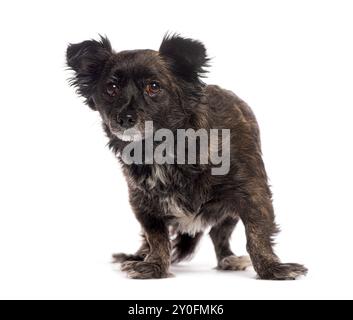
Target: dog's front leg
x,y
157,262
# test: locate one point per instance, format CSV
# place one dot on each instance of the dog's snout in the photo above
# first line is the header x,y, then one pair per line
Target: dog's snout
x,y
126,120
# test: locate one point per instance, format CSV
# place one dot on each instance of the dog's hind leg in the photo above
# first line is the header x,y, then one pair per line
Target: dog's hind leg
x,y
184,246
140,255
220,235
259,221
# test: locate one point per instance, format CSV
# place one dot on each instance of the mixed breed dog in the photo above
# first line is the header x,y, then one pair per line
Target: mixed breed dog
x,y
176,201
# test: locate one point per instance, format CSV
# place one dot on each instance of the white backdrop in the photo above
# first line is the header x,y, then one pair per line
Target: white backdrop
x,y
64,207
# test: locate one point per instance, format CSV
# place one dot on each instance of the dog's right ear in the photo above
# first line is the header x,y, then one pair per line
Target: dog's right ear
x,y
87,59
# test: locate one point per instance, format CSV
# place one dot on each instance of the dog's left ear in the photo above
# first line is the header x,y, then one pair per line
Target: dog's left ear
x,y
187,57
87,59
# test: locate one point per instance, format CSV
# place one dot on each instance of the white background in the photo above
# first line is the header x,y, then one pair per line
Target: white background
x,y
64,207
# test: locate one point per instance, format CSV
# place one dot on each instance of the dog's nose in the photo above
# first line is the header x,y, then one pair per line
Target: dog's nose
x,y
126,120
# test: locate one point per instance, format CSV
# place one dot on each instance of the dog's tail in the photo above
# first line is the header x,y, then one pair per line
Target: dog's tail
x,y
184,246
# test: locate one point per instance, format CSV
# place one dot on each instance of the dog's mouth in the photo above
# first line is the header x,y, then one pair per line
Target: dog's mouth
x,y
131,134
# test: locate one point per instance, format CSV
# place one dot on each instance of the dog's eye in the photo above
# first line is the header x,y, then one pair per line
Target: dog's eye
x,y
153,88
112,89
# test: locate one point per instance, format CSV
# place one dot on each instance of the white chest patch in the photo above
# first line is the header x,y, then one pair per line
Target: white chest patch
x,y
184,222
190,225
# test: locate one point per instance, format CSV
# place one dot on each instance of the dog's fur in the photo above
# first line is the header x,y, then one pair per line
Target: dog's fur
x,y
184,198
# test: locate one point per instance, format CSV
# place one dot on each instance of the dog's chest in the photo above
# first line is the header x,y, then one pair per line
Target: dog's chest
x,y
182,219
178,197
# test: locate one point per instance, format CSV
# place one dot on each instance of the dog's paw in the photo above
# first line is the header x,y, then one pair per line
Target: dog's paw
x,y
122,257
144,270
234,263
283,271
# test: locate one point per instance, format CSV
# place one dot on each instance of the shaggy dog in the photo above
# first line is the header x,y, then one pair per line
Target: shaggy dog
x,y
128,89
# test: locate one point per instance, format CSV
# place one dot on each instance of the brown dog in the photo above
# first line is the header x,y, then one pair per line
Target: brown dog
x,y
131,87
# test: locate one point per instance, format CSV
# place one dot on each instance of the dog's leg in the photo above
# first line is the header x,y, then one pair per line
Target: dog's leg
x,y
184,246
140,255
258,218
157,262
220,235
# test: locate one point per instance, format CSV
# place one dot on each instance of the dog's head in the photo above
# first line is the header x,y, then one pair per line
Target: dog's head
x,y
129,88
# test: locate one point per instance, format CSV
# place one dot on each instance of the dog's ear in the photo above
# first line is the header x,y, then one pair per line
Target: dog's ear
x,y
187,57
87,59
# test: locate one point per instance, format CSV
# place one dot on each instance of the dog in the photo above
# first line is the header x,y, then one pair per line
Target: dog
x,y
176,203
